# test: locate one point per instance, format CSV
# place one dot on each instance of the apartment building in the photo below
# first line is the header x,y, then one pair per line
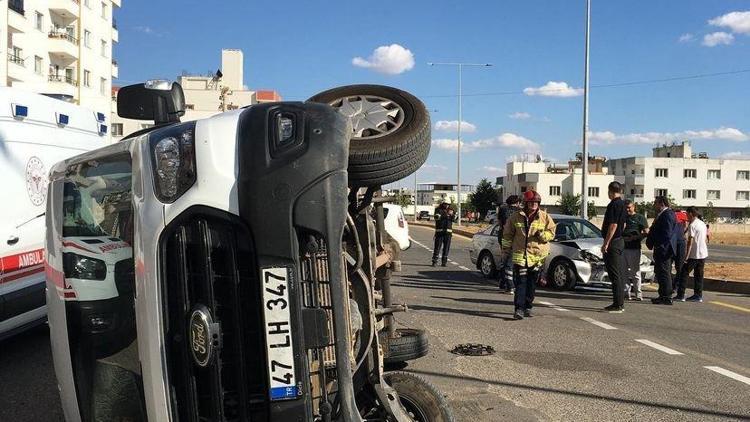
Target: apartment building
x,y
552,181
689,178
206,95
61,47
432,194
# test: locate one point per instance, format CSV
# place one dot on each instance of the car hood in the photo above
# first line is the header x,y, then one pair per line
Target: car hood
x,y
584,244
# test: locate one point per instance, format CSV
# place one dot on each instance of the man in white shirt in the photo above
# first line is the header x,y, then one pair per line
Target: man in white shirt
x,y
697,252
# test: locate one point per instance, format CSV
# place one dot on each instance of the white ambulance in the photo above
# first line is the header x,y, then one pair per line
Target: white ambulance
x,y
36,131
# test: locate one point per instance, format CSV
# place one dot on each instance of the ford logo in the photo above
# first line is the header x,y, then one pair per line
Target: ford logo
x,y
204,336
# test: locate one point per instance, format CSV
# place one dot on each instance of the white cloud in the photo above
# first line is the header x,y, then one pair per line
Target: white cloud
x,y
452,126
495,171
717,38
505,140
389,59
432,167
738,22
554,89
520,115
650,138
686,38
736,155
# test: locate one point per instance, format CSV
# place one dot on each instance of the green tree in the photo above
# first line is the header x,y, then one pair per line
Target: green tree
x,y
591,210
404,200
483,197
649,210
709,213
570,204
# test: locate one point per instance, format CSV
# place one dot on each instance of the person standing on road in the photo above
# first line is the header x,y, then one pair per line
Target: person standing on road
x,y
679,257
614,245
512,205
636,229
697,252
663,241
444,219
525,238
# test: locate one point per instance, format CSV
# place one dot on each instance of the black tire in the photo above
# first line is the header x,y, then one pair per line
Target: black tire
x,y
421,400
409,344
378,159
561,275
488,269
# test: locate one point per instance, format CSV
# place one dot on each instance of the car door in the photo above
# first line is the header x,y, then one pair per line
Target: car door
x,y
494,244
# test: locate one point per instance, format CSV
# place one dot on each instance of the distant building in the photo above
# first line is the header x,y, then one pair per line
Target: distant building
x,y
689,178
62,48
207,95
432,194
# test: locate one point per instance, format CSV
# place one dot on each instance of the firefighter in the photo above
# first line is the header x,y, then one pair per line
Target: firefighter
x,y
525,238
444,219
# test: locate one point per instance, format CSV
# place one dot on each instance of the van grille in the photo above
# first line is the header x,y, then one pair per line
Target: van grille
x,y
208,261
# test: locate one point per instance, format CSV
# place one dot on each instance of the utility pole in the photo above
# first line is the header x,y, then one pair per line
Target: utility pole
x,y
460,117
585,158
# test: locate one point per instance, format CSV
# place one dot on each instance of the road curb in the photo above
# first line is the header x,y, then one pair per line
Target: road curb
x,y
710,284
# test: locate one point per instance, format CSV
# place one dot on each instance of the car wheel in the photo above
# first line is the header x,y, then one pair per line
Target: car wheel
x,y
409,344
561,275
420,399
487,265
390,131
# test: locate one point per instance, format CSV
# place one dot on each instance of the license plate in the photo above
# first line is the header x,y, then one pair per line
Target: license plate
x,y
279,334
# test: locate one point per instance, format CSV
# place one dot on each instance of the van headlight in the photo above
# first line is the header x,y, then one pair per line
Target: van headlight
x,y
173,157
83,267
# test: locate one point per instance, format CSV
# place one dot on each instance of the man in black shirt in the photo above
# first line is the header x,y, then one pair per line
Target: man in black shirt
x,y
444,219
613,246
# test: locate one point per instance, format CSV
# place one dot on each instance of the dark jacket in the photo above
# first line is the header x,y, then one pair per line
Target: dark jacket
x,y
504,215
444,222
662,237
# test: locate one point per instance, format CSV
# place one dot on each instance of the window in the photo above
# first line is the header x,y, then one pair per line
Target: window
x,y
104,10
87,38
690,173
743,195
576,229
594,192
714,174
661,192
743,174
523,188
689,194
104,48
737,214
632,171
37,65
554,190
662,173
116,129
102,86
713,195
86,78
39,21
189,106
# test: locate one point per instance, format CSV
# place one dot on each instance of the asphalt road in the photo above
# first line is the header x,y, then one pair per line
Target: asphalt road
x,y
571,361
554,366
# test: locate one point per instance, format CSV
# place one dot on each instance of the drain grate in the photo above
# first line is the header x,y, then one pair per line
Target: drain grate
x,y
473,349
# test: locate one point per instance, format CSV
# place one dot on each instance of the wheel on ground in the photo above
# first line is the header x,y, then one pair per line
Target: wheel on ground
x,y
420,399
561,275
390,131
408,344
487,265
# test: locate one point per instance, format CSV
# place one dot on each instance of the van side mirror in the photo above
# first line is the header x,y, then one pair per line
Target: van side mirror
x,y
157,100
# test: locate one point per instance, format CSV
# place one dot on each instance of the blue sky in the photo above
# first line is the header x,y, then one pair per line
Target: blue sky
x,y
299,48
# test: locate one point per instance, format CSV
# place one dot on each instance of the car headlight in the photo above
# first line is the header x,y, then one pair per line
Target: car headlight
x,y
173,156
83,267
589,257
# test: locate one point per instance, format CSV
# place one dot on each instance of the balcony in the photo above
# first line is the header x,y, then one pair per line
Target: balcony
x,y
62,84
16,67
17,22
115,32
62,44
115,69
66,10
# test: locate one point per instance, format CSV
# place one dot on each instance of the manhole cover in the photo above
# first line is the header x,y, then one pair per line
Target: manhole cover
x,y
473,349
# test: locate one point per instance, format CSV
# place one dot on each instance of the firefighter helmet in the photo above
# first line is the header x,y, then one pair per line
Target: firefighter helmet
x,y
531,196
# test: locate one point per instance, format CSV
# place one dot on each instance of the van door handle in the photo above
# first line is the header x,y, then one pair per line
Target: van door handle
x,y
12,240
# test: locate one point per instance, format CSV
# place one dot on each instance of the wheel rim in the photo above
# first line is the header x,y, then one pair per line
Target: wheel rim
x,y
371,116
414,411
486,265
560,275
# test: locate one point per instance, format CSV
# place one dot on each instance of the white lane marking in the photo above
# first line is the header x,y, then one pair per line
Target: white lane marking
x,y
463,268
553,306
728,373
598,323
455,263
658,346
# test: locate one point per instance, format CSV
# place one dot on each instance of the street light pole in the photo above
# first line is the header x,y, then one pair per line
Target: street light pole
x,y
585,158
460,118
